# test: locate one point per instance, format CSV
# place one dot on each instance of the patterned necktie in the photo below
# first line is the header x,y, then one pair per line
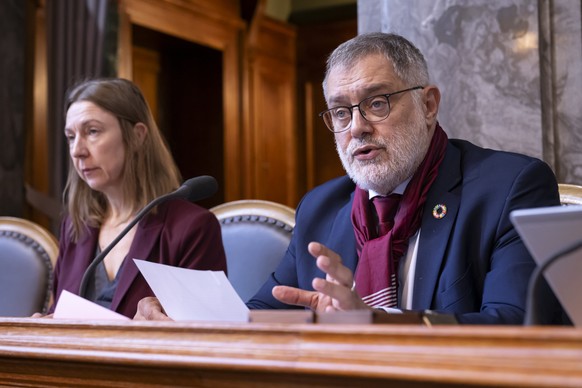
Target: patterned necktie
x,y
386,209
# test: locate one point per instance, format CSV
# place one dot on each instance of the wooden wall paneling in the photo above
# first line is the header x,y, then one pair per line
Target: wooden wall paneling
x,y
309,122
148,62
37,155
272,112
213,24
124,44
321,160
189,20
233,116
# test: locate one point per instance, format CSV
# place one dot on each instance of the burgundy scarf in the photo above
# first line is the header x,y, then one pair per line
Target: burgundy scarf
x,y
376,274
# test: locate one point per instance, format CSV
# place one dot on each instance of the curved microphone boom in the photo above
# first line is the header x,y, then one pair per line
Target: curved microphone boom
x,y
193,189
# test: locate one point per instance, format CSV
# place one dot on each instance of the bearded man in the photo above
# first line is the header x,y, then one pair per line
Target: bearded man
x,y
420,222
448,244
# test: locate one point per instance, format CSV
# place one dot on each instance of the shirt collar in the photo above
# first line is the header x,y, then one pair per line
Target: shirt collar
x,y
398,190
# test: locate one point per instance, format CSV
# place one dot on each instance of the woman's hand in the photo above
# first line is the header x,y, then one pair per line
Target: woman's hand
x,y
150,309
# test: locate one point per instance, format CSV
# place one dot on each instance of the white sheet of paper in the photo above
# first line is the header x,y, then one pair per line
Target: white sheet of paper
x,y
191,295
71,306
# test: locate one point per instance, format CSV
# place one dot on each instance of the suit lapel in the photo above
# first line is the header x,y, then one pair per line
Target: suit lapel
x,y
435,232
85,253
343,240
146,236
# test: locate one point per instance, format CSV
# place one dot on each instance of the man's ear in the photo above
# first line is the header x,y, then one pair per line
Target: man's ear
x,y
432,99
141,131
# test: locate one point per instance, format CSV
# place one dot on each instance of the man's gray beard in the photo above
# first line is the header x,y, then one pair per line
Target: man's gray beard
x,y
405,154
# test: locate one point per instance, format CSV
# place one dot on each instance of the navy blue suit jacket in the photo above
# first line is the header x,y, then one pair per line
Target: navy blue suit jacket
x,y
470,263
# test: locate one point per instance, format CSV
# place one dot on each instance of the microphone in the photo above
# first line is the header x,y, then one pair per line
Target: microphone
x,y
194,189
532,314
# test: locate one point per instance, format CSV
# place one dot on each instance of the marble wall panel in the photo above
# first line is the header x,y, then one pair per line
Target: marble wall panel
x,y
566,94
509,70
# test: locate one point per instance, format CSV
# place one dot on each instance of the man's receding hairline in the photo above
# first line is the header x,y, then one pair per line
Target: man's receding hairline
x,y
352,62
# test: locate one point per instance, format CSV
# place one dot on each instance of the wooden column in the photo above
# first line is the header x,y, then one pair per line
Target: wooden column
x,y
270,127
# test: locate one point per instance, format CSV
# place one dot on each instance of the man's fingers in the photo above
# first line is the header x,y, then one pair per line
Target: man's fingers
x,y
317,249
332,289
295,296
343,298
330,263
332,293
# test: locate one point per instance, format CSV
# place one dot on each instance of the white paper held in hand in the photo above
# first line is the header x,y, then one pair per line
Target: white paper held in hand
x,y
193,295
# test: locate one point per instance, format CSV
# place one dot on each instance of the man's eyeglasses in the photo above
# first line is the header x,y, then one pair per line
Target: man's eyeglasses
x,y
372,109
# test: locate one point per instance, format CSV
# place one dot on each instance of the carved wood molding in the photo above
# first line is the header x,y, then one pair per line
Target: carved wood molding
x,y
260,355
214,24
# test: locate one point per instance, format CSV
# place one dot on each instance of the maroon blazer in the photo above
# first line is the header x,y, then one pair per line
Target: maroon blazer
x,y
181,234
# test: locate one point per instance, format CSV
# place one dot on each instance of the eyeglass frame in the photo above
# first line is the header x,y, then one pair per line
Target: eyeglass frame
x,y
351,108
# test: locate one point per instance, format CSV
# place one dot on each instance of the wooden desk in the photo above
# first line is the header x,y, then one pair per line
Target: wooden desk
x,y
44,352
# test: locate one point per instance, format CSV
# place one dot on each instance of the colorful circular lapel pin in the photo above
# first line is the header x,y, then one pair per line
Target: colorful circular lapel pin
x,y
439,211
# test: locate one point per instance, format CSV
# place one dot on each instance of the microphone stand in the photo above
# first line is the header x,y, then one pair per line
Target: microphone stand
x,y
532,309
193,189
89,271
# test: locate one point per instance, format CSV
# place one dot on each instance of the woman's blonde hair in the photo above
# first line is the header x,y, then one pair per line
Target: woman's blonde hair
x,y
149,170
